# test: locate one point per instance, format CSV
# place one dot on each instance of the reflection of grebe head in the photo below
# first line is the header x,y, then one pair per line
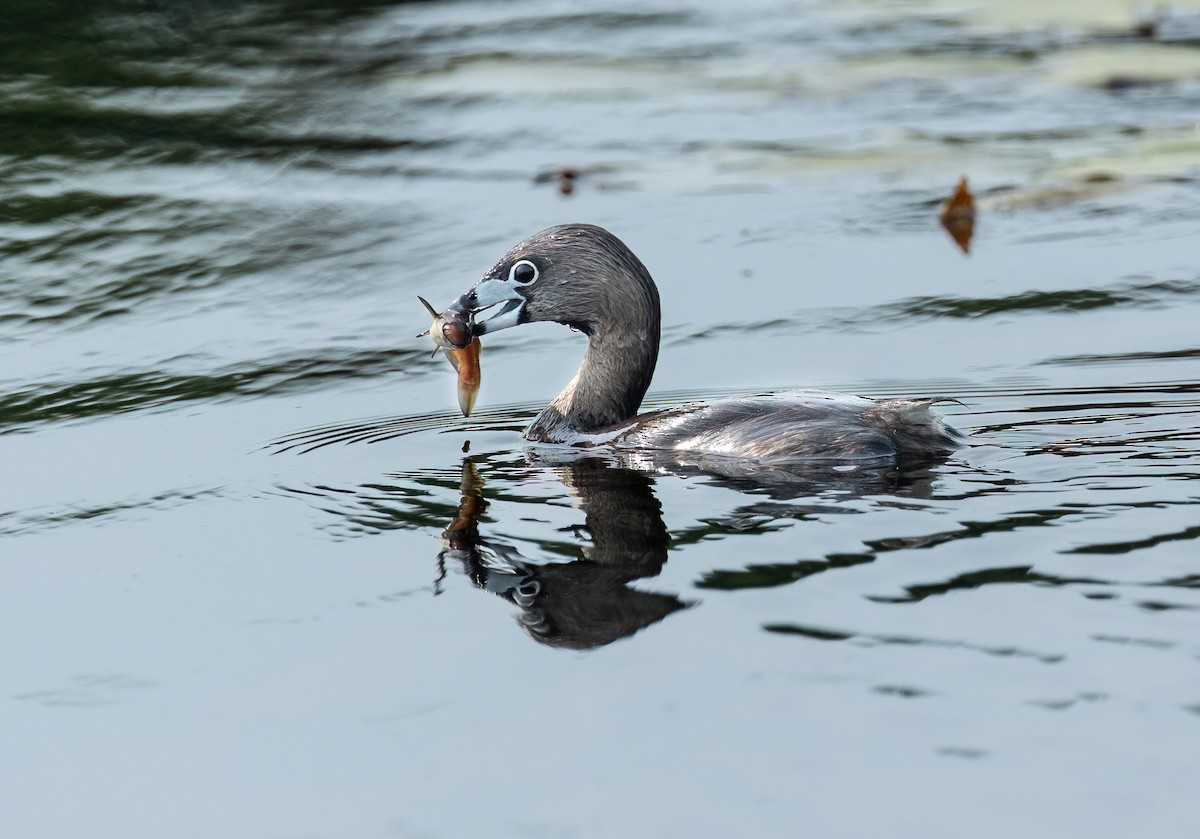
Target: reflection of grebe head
x,y
582,605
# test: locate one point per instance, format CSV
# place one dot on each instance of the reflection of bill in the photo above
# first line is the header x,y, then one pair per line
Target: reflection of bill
x,y
588,602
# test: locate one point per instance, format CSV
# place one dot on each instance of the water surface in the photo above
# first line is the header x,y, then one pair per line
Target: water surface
x,y
215,221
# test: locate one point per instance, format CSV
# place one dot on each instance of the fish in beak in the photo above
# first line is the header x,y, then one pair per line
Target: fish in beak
x,y
496,302
451,332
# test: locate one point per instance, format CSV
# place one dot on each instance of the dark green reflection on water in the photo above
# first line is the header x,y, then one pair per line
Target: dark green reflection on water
x,y
60,61
83,130
817,633
135,391
112,42
1187,534
777,574
73,205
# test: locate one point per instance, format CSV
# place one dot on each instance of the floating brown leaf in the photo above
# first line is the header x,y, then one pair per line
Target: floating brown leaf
x,y
958,216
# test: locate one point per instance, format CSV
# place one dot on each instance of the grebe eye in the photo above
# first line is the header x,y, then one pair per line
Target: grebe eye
x,y
523,272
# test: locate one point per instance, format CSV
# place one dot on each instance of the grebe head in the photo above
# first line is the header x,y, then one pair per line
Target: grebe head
x,y
576,274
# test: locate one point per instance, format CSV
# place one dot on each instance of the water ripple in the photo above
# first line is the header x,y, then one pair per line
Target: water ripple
x,y
141,252
822,634
905,312
123,392
18,522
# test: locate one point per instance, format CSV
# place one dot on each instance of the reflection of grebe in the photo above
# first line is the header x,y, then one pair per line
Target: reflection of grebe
x,y
586,278
586,603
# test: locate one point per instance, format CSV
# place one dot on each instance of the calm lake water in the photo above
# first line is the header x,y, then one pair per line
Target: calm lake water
x,y
214,222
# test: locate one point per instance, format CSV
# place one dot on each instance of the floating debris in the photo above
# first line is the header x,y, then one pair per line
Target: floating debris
x,y
958,216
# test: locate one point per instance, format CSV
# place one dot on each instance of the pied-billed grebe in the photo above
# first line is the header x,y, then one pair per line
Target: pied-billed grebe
x,y
585,277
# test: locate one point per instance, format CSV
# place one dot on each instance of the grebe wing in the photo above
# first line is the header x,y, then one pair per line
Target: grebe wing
x,y
798,425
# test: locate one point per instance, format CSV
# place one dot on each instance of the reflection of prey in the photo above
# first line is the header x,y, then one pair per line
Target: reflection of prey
x,y
586,603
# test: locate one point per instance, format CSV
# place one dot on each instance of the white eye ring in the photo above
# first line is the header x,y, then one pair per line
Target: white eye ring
x,y
523,272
